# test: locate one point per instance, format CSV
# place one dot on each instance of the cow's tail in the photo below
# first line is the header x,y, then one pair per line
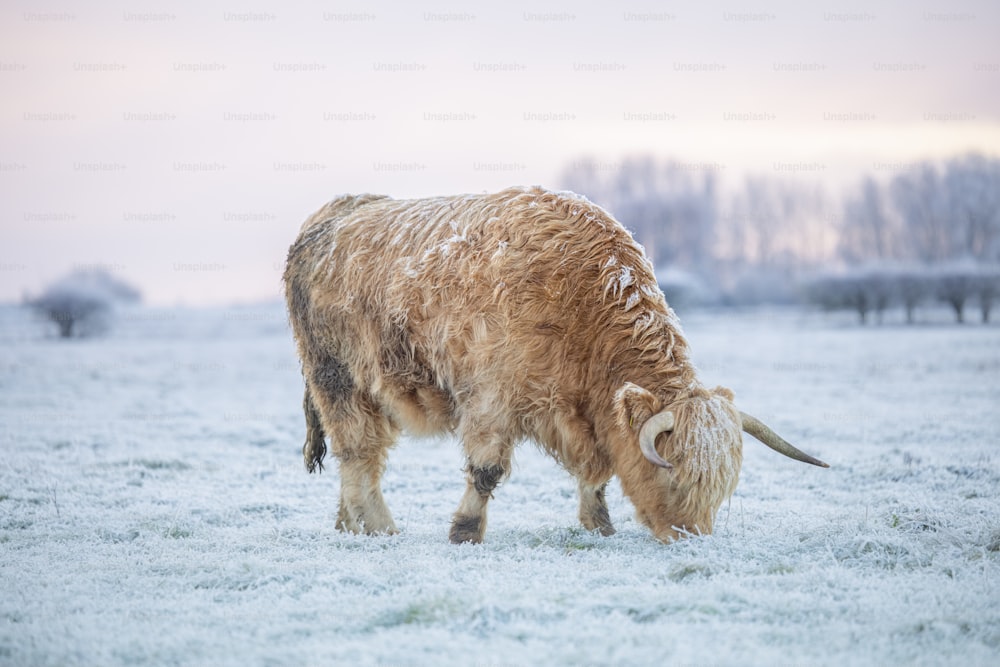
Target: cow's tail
x,y
302,257
315,448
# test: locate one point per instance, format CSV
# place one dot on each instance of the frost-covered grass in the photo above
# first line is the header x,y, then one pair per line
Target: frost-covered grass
x,y
154,509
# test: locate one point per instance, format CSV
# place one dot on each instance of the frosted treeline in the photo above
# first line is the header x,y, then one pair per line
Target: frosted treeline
x,y
913,234
875,288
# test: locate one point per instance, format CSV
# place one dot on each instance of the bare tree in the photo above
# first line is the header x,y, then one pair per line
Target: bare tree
x,y
772,231
912,286
956,284
74,312
973,199
79,303
868,231
919,197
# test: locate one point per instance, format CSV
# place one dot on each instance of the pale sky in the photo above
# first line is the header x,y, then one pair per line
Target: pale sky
x,y
181,144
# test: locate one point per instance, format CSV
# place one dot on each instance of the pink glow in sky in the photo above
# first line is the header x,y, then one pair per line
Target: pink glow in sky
x,y
181,144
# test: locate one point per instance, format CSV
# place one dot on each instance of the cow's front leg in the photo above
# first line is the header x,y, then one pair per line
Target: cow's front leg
x,y
487,464
469,522
594,508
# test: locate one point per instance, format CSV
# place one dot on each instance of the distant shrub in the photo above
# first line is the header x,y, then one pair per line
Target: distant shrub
x,y
956,284
912,288
80,303
842,292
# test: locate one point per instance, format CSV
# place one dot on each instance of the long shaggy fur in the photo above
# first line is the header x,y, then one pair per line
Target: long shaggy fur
x,y
502,317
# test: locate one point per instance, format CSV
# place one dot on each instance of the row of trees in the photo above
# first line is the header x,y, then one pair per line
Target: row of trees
x,y
875,289
762,241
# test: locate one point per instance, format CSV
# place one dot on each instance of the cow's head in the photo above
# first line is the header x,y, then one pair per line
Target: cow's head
x,y
691,451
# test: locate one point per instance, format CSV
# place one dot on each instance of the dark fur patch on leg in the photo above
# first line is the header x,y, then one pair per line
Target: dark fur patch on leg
x,y
314,450
331,376
466,529
486,479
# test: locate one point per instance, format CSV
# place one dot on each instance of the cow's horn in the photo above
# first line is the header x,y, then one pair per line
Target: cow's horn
x,y
759,430
661,422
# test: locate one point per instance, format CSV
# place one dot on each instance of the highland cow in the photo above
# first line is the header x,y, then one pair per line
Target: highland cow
x,y
526,314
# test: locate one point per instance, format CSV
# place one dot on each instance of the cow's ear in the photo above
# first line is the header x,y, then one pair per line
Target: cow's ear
x,y
724,392
633,406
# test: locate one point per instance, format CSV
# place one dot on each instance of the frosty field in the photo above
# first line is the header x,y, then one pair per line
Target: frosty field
x,y
154,509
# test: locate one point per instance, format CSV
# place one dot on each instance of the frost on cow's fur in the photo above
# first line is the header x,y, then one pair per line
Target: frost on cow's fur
x,y
500,318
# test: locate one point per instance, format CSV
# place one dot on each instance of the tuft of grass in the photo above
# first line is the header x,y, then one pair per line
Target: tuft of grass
x,y
153,464
420,613
683,571
118,537
569,540
177,533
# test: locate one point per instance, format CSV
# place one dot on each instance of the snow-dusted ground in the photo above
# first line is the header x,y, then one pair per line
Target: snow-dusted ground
x,y
154,509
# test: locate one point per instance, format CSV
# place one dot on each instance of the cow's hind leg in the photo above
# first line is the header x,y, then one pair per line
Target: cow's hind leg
x,y
360,437
362,447
488,462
